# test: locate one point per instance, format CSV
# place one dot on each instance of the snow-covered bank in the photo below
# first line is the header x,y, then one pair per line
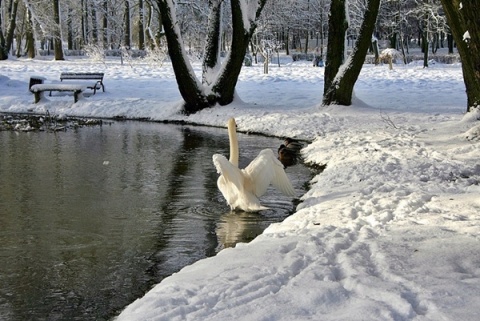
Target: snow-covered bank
x,y
389,231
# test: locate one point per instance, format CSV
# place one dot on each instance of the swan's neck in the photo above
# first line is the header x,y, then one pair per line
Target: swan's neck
x,y
232,136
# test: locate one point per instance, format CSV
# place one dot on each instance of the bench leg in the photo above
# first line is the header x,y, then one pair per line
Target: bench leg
x,y
75,95
38,96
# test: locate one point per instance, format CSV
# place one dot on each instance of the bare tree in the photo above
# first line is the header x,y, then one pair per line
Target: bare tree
x,y
218,84
339,90
6,42
463,20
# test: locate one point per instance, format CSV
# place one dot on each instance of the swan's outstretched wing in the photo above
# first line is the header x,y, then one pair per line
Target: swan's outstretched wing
x,y
230,172
266,169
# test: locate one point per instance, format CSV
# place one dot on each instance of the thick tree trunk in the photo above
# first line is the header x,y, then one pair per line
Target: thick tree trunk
x,y
105,25
287,42
7,43
464,16
3,48
29,37
337,26
225,84
212,46
425,45
94,25
149,36
376,51
450,44
57,41
190,88
127,37
84,23
218,83
141,34
70,45
340,90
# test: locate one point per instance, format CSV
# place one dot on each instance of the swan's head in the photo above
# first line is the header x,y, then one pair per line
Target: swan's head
x,y
231,123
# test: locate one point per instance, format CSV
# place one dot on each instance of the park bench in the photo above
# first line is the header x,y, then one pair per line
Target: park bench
x,y
96,76
38,90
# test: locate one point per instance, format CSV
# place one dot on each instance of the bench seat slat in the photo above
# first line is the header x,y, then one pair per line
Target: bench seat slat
x,y
58,87
38,89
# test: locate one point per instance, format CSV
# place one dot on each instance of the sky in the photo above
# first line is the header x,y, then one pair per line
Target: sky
x,y
390,230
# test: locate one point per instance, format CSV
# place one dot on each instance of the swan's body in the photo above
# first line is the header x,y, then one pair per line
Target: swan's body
x,y
242,187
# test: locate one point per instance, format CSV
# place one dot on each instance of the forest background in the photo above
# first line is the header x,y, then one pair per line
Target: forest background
x,y
226,34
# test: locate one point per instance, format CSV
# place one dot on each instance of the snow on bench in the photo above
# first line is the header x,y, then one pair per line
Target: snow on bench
x,y
40,88
97,76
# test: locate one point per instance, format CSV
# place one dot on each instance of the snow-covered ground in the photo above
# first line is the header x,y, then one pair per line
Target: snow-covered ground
x,y
389,231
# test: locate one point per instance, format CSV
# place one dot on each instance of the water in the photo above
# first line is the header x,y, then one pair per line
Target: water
x,y
91,219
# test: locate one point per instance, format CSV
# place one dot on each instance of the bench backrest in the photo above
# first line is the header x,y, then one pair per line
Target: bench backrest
x,y
82,75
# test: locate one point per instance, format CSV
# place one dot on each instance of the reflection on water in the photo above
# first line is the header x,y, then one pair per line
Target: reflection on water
x,y
91,219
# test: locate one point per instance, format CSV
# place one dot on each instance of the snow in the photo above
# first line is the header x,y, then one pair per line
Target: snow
x,y
63,86
389,52
249,10
388,231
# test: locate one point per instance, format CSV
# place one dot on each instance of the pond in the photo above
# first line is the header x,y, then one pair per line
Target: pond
x,y
93,217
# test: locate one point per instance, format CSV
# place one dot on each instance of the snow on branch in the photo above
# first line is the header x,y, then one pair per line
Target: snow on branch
x,y
249,12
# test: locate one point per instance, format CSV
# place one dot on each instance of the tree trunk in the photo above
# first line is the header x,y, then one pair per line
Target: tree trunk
x,y
190,88
450,44
19,38
70,30
84,23
29,36
212,45
3,48
127,37
402,47
306,43
287,42
337,26
149,37
94,25
225,84
10,32
461,20
394,41
57,41
425,45
218,83
340,90
105,25
141,34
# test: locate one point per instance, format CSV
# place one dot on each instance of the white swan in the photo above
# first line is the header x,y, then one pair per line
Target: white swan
x,y
242,187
